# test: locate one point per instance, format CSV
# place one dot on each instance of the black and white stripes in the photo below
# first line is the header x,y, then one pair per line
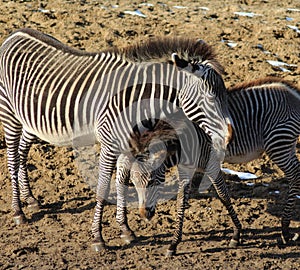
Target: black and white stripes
x,y
265,115
59,94
174,143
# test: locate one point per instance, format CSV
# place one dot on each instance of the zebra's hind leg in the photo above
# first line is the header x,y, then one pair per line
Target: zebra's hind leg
x,y
294,191
285,158
13,130
223,194
182,203
122,182
25,191
292,172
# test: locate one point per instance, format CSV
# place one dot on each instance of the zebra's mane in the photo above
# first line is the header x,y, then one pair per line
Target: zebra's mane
x,y
156,49
162,132
264,83
160,49
52,41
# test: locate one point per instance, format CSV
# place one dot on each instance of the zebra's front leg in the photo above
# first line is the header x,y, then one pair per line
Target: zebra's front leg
x,y
107,163
223,194
182,203
25,191
98,241
122,182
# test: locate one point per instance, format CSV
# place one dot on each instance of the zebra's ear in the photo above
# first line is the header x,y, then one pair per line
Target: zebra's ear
x,y
200,41
178,62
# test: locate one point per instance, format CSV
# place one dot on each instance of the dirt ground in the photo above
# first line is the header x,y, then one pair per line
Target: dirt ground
x,y
59,235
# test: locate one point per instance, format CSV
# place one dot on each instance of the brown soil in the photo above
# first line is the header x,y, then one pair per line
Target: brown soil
x,y
59,235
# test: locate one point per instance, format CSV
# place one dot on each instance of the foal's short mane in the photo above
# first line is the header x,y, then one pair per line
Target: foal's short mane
x,y
162,131
270,81
160,49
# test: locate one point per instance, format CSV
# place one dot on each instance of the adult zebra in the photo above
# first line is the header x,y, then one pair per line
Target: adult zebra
x,y
60,94
265,114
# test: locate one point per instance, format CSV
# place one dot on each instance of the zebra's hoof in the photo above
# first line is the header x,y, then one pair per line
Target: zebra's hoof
x,y
20,219
34,207
128,238
233,243
97,247
170,253
284,241
296,237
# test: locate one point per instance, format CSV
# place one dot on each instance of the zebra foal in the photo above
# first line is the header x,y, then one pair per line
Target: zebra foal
x,y
265,115
60,95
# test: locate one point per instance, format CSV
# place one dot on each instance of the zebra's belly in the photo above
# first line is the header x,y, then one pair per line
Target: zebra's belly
x,y
61,140
243,157
65,138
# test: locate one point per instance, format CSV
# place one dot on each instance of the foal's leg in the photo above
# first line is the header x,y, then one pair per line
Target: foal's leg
x,y
182,202
223,194
294,191
213,172
122,181
284,156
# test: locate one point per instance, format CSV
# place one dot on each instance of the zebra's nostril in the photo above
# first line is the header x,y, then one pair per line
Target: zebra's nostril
x,y
150,213
146,213
143,212
229,136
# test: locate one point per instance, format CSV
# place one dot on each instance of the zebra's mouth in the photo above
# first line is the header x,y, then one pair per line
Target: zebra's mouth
x,y
147,213
230,134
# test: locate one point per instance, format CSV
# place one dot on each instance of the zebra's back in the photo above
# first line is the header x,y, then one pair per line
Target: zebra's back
x,y
45,82
258,110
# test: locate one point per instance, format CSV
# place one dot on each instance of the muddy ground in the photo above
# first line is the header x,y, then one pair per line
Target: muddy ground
x,y
59,235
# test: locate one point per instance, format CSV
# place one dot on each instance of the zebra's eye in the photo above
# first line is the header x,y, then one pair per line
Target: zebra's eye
x,y
142,157
199,70
153,182
195,67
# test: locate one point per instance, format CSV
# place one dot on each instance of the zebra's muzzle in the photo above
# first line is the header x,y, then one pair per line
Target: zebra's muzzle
x,y
146,213
229,136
